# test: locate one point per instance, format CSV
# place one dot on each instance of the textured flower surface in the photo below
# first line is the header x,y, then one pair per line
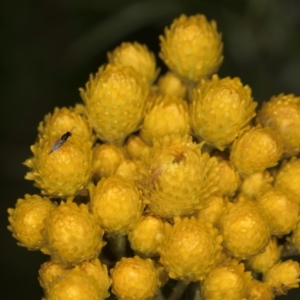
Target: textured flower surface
x,y
158,177
220,109
192,47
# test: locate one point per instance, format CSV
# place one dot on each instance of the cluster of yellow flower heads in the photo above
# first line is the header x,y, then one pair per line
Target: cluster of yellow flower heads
x,y
202,186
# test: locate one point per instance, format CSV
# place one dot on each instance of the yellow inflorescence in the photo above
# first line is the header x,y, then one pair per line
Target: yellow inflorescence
x,y
173,173
220,109
184,48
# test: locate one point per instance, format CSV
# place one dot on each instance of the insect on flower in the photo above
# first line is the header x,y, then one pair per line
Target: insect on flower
x,y
61,141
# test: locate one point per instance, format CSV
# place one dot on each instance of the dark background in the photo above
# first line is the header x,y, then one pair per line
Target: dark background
x,y
49,48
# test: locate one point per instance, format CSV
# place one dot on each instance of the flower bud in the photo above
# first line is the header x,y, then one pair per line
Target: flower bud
x,y
134,278
171,85
60,167
282,113
74,285
27,220
283,276
179,178
106,160
190,249
245,229
288,178
63,120
256,150
226,281
192,47
260,291
261,262
115,100
220,109
117,205
256,183
147,235
168,116
280,210
137,56
72,234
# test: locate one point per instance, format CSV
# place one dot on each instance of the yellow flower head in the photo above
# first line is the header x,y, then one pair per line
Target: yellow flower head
x,y
283,276
190,249
72,234
147,235
169,115
180,177
261,262
117,204
280,210
288,178
106,160
226,281
256,150
172,85
27,220
59,168
49,272
260,290
75,284
67,119
220,109
192,47
115,100
282,113
137,56
244,228
256,183
134,278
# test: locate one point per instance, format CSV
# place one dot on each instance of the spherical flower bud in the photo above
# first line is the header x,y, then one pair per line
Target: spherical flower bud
x,y
259,290
134,278
137,56
74,285
65,119
60,166
72,234
226,281
282,113
245,229
147,235
97,271
280,210
283,276
294,239
172,85
168,116
288,178
115,100
256,150
49,272
179,178
261,262
213,209
128,169
256,183
135,146
117,204
220,109
192,47
106,160
229,177
27,220
190,249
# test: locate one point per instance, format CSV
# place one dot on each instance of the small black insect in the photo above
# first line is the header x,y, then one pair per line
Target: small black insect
x,y
61,141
